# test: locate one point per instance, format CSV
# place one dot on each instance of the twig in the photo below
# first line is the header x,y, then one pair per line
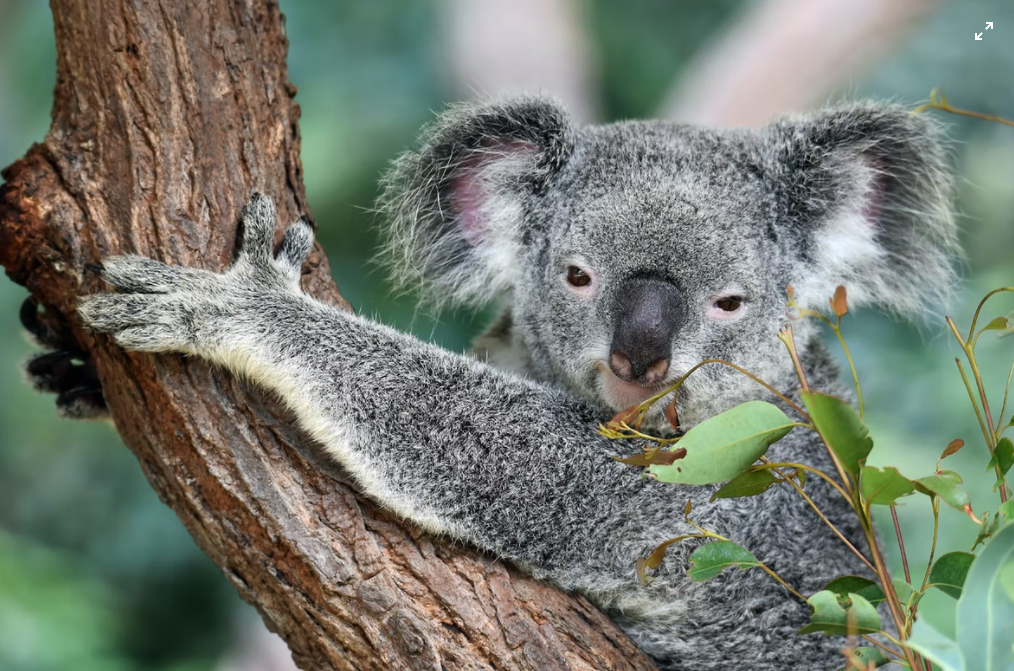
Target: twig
x,y
940,103
823,517
901,544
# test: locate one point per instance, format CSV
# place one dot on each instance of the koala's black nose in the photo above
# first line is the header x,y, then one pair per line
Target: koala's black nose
x,y
649,311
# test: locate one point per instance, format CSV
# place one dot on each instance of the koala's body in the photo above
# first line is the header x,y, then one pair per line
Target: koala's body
x,y
623,255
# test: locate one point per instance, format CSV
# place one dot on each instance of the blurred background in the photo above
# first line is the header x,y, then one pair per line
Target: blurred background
x,y
95,573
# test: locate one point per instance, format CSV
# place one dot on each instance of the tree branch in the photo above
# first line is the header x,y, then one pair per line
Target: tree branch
x,y
166,117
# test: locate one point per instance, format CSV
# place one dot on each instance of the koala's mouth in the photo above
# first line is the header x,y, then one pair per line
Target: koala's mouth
x,y
620,394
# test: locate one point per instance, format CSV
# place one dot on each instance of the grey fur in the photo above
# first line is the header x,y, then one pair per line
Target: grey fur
x,y
497,202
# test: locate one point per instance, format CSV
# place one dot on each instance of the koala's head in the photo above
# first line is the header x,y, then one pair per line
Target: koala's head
x,y
632,251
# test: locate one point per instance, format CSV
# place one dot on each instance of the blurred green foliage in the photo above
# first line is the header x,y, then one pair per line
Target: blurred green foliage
x,y
95,573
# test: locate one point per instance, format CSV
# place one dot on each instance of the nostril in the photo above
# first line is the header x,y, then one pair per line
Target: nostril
x,y
620,365
655,372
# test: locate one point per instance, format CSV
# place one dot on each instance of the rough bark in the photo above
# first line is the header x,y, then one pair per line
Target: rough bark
x,y
166,117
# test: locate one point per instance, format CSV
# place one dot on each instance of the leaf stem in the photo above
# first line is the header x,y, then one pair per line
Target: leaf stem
x,y
820,514
933,550
781,582
785,335
888,587
644,405
819,473
1006,391
883,647
836,327
852,366
901,543
975,404
978,308
940,103
986,423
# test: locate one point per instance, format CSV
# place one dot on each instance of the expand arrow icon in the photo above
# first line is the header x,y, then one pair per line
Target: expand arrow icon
x,y
978,36
989,25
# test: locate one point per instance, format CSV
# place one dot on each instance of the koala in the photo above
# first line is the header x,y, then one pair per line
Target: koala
x,y
621,255
64,368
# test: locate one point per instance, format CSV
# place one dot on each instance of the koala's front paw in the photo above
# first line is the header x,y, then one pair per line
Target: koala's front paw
x,y
163,308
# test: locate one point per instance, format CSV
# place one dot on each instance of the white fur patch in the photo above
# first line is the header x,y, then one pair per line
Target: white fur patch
x,y
340,439
846,253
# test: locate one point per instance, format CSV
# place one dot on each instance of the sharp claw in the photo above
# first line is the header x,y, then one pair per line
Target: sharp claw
x,y
29,314
82,403
78,392
55,363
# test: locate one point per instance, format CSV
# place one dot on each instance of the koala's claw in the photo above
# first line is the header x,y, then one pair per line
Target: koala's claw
x,y
66,372
163,308
82,403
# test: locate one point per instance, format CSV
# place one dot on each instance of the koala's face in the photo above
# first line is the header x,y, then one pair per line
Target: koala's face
x,y
634,251
656,255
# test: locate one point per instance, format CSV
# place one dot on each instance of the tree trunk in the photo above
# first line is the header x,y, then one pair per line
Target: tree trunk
x,y
166,117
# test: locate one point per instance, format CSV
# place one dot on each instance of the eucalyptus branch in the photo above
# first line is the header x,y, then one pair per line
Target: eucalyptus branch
x,y
644,405
883,647
893,603
809,469
785,335
760,564
901,544
852,367
780,581
982,303
975,405
836,327
939,102
932,554
986,423
1003,408
820,514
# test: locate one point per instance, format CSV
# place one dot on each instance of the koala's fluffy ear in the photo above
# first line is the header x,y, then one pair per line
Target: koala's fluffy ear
x,y
866,202
457,210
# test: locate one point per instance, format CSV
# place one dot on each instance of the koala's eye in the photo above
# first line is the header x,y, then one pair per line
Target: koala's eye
x,y
729,303
577,277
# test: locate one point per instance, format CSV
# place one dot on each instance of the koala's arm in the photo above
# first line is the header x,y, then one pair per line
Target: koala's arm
x,y
443,440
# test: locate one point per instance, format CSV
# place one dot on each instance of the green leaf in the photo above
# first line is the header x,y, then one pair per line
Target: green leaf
x,y
867,655
1003,456
1007,510
942,651
840,425
985,614
883,487
831,617
998,324
1007,579
722,447
903,590
945,485
748,483
712,558
949,572
865,588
